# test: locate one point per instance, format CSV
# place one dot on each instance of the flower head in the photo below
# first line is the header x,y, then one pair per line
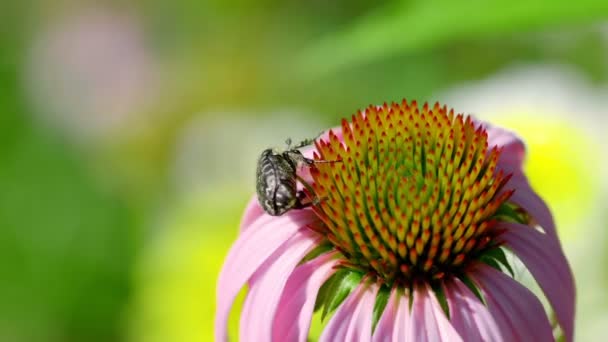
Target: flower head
x,y
406,240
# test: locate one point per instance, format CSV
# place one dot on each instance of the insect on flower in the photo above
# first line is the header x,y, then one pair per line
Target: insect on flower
x,y
276,178
409,242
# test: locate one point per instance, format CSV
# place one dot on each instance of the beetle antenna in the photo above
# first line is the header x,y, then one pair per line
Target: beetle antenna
x,y
307,142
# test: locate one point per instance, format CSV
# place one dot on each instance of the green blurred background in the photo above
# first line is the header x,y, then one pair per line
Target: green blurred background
x,y
129,133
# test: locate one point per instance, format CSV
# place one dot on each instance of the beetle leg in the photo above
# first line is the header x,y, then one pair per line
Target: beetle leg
x,y
300,197
317,200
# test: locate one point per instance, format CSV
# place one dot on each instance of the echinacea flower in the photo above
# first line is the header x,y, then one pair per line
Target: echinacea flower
x,y
406,241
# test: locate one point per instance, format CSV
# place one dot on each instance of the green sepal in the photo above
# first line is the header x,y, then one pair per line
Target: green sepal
x,y
441,298
333,292
473,287
508,212
495,256
380,304
321,249
492,263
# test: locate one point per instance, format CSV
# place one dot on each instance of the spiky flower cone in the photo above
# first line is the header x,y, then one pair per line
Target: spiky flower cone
x,y
415,194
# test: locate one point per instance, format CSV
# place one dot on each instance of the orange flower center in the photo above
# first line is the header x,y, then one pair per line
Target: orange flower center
x,y
415,192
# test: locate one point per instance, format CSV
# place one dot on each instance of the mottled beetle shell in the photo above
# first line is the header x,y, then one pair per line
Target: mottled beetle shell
x,y
276,183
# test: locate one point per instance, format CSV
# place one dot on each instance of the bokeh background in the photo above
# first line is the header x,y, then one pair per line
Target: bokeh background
x,y
129,132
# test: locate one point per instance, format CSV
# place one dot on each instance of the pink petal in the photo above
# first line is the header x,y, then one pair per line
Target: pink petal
x,y
515,308
528,199
510,161
403,322
248,253
265,293
545,260
513,148
353,319
360,327
384,328
252,212
292,319
469,316
428,321
394,323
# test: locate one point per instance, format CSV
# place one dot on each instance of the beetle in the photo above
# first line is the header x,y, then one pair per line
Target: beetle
x,y
276,178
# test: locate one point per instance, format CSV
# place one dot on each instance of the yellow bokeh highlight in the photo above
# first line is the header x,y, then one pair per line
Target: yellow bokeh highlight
x,y
176,282
561,164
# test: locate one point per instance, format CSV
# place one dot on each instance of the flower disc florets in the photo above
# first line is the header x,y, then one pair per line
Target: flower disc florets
x,y
415,193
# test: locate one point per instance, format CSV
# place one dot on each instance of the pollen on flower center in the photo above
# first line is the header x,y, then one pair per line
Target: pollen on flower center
x,y
415,194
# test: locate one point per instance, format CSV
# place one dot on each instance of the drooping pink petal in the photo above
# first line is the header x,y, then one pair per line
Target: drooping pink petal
x,y
353,319
428,321
403,322
515,308
253,247
513,148
526,198
252,212
507,330
292,319
394,323
265,293
545,260
469,316
360,327
510,162
384,328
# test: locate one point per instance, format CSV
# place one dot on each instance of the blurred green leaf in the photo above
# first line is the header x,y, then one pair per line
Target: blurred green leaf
x,y
176,275
67,247
419,25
